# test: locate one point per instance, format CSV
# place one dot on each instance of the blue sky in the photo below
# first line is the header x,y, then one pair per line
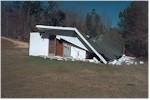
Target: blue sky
x,y
110,8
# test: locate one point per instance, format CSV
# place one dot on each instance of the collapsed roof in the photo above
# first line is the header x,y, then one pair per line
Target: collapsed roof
x,y
110,48
104,47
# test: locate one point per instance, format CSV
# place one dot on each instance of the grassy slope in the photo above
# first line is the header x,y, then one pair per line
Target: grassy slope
x,y
24,76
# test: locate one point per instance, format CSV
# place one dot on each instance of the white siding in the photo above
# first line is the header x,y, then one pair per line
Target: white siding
x,y
78,53
38,45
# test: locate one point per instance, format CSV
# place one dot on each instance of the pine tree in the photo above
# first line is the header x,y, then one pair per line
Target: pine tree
x,y
94,24
36,10
53,15
134,28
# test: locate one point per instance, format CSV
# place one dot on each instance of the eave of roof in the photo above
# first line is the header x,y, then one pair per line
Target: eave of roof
x,y
55,27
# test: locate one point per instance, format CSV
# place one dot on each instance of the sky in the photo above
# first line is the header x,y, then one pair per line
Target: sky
x,y
110,8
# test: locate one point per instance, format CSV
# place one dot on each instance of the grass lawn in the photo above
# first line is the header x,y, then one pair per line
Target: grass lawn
x,y
34,77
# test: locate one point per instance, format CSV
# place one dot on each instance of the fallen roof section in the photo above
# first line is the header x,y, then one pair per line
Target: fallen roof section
x,y
110,46
43,27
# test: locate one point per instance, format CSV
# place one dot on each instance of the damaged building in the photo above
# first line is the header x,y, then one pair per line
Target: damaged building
x,y
69,42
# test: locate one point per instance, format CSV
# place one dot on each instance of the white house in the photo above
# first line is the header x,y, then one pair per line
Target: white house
x,y
69,42
65,46
60,41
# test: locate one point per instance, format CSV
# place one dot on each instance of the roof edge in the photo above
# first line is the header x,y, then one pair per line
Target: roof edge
x,y
55,27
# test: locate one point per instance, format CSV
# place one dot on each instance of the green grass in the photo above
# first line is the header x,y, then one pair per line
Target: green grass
x,y
27,77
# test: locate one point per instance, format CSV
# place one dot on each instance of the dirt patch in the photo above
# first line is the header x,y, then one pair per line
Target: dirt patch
x,y
7,42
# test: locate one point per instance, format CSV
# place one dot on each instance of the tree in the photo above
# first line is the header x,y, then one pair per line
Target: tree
x,y
36,10
134,28
16,6
8,14
53,15
58,18
94,24
32,14
26,8
106,20
20,18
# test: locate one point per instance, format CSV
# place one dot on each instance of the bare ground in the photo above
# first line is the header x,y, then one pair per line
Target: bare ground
x,y
33,77
16,43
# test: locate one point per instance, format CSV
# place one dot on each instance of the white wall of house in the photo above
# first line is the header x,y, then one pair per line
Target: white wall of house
x,y
78,53
38,46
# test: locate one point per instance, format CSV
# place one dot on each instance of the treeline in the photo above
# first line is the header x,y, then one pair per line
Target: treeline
x,y
19,18
133,26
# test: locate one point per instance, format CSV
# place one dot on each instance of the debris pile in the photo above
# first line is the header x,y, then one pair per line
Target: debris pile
x,y
125,60
94,60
